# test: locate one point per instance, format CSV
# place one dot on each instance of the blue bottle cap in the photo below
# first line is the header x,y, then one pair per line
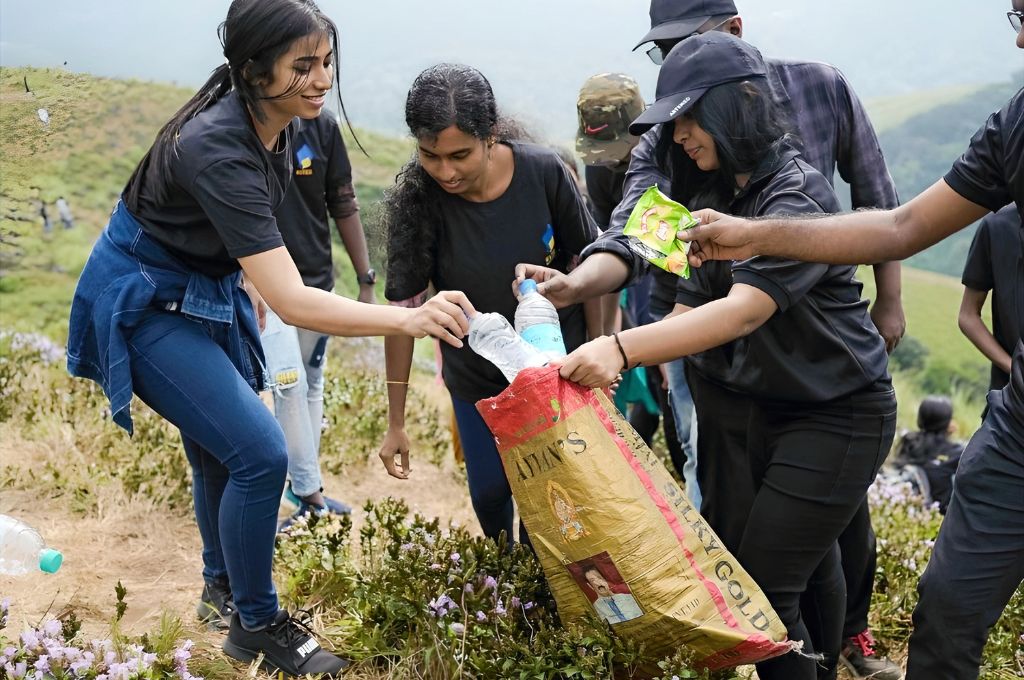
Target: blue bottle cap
x,y
527,286
50,561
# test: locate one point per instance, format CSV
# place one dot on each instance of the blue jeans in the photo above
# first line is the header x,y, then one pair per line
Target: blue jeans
x,y
234,445
298,397
488,487
686,425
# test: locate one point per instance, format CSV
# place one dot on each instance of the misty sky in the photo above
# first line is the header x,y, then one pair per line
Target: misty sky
x,y
535,52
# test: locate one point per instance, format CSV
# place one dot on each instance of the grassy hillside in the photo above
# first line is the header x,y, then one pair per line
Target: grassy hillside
x,y
98,130
890,112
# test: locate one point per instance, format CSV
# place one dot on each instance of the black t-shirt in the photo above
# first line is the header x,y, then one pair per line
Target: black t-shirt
x,y
224,188
992,266
604,185
820,344
321,186
991,174
540,219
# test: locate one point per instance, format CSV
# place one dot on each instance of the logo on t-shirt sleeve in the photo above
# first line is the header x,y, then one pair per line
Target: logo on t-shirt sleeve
x,y
304,160
548,239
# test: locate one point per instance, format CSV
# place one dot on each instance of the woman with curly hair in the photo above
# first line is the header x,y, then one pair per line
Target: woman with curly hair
x,y
472,203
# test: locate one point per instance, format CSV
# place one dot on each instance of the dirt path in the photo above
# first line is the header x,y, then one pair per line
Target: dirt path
x,y
156,554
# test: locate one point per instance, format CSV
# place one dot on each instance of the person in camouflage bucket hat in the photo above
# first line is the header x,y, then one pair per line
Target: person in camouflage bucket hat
x,y
607,104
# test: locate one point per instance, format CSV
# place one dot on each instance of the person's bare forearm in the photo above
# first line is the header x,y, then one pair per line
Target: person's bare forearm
x,y
974,328
324,312
354,239
870,236
693,331
398,352
888,283
593,315
598,274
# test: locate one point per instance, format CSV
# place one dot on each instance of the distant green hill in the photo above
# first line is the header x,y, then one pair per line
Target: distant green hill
x,y
98,130
922,134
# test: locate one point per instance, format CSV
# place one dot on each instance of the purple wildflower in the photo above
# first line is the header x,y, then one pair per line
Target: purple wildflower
x,y
456,557
490,582
457,628
480,616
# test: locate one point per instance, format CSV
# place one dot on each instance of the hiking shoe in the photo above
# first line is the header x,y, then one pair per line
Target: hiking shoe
x,y
332,506
287,645
858,656
216,605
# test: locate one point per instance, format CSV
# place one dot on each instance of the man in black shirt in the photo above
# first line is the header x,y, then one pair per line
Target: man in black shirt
x,y
992,266
321,187
978,559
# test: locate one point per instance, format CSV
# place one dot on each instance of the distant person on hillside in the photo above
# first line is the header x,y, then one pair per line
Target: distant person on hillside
x,y
978,560
45,214
928,454
471,203
171,299
992,265
321,188
64,210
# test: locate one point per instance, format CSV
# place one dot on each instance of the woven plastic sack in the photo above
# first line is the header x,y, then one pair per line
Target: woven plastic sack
x,y
615,533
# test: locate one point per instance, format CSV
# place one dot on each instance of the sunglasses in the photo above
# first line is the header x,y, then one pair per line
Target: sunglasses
x,y
1016,19
661,48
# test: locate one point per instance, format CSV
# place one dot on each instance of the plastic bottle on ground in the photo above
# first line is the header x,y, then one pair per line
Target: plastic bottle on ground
x,y
22,549
492,337
537,321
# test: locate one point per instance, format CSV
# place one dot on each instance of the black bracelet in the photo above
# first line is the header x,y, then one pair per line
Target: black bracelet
x,y
625,359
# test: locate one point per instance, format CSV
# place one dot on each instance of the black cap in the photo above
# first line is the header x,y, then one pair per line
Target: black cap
x,y
673,19
692,68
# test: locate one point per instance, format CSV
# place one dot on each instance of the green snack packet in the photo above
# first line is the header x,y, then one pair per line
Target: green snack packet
x,y
652,228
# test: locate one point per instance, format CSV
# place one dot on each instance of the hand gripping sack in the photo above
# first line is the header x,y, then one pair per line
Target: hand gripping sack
x,y
614,532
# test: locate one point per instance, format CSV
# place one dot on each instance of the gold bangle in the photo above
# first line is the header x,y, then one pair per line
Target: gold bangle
x,y
396,382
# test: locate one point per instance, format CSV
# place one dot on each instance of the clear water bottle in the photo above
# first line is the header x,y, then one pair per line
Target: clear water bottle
x,y
22,549
537,321
492,337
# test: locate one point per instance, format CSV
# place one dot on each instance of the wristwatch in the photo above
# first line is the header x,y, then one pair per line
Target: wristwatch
x,y
369,278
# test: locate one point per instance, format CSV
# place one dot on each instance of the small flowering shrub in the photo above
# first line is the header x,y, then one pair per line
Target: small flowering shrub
x,y
423,601
56,649
906,529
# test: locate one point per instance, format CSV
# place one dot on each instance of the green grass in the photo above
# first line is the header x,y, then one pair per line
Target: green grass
x,y
99,129
931,302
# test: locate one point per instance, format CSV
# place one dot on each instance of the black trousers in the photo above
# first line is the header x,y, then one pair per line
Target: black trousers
x,y
781,485
978,560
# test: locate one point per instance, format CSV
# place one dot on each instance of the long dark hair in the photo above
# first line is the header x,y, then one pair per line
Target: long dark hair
x,y
441,96
253,36
746,125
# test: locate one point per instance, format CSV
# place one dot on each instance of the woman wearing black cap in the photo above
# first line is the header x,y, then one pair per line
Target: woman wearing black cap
x,y
787,347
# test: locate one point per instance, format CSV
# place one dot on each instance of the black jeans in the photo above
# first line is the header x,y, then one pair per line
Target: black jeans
x,y
859,555
978,559
812,465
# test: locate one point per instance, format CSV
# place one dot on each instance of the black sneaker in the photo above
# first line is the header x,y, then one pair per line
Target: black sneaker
x,y
215,606
287,645
858,656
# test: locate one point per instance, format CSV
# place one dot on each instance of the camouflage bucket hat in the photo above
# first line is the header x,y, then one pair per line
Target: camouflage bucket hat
x,y
607,104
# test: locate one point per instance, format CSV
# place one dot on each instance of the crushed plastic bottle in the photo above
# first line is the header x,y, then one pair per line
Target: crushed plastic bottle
x,y
22,549
492,337
537,321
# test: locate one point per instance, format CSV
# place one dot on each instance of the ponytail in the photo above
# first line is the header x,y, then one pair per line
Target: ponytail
x,y
155,166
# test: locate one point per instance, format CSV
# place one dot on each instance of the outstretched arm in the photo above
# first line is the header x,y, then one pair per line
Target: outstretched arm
x,y
854,238
274,275
598,362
